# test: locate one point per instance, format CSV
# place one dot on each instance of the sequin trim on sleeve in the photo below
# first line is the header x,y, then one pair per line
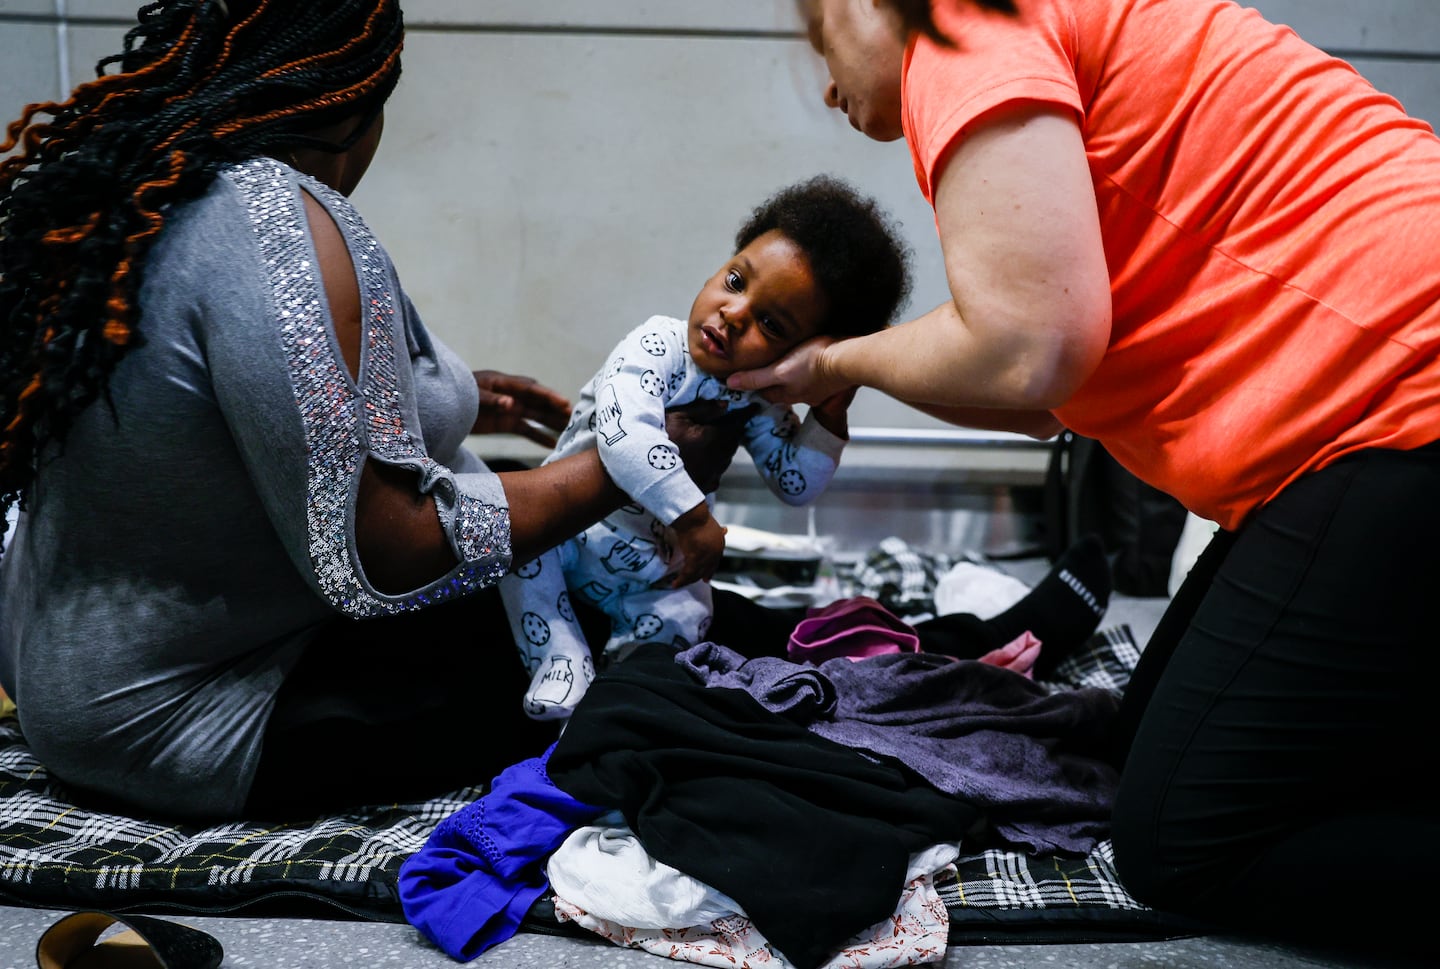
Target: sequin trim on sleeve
x,y
327,400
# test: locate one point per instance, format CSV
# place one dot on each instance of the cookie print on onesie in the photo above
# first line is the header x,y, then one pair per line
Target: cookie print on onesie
x,y
792,483
647,624
535,628
652,384
781,457
662,457
653,344
534,634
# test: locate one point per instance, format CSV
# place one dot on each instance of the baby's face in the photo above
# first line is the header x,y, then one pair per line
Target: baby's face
x,y
761,303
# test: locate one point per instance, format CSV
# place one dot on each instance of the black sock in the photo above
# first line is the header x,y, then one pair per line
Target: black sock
x,y
1065,608
962,635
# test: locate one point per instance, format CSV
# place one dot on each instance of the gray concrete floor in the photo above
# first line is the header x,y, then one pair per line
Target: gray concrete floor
x,y
270,943
314,944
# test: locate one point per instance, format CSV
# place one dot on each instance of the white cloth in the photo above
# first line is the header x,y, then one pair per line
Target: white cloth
x,y
608,873
604,870
916,934
1194,536
977,589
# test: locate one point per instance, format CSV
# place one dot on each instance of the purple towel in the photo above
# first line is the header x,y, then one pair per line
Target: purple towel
x,y
1027,757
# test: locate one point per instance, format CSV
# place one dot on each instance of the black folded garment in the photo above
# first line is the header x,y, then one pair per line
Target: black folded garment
x,y
811,838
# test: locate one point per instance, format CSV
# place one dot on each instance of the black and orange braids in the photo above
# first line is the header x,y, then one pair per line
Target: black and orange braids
x,y
199,85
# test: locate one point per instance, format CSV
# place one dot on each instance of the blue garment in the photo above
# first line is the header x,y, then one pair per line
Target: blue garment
x,y
484,866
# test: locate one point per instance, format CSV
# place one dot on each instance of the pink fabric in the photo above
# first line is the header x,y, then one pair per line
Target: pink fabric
x,y
854,628
1018,655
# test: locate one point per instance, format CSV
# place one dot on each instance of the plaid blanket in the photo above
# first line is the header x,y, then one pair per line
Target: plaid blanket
x,y
54,854
900,577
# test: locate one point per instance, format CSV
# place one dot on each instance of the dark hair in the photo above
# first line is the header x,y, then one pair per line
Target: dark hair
x,y
200,84
918,16
855,254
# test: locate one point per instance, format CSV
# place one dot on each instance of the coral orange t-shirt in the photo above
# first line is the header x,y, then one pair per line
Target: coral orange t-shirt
x,y
1271,224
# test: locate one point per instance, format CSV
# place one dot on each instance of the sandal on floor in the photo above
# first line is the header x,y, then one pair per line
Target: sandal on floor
x,y
148,943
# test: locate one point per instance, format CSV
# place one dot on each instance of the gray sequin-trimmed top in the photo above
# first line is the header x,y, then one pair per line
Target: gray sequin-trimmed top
x,y
180,551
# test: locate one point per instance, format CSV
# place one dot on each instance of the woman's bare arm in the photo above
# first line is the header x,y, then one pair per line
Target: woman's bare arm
x,y
398,535
1029,314
1039,424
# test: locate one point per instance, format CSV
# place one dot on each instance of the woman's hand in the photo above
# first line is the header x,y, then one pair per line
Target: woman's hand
x,y
802,376
706,434
519,405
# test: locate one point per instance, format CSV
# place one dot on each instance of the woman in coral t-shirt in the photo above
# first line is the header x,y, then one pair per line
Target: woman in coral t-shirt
x,y
1179,229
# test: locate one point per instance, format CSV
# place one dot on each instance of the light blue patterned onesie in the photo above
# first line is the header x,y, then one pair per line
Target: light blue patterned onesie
x,y
617,565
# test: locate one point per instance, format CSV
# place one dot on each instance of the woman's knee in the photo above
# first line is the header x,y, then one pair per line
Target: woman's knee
x,y
1150,864
1178,829
1133,838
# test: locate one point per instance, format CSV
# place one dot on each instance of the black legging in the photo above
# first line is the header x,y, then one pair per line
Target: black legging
x,y
1284,742
398,708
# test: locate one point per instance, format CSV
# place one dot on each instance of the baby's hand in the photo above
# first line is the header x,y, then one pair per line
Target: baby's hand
x,y
833,413
701,541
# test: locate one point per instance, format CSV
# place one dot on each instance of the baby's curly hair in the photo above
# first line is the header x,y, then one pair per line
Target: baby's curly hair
x,y
855,252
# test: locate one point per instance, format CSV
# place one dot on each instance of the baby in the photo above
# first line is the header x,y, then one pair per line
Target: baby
x,y
816,258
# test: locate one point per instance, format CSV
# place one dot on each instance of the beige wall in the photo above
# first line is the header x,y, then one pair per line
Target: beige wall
x,y
554,171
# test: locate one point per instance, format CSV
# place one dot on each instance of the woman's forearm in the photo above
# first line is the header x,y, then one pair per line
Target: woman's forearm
x,y
550,503
402,545
939,359
1039,424
1029,314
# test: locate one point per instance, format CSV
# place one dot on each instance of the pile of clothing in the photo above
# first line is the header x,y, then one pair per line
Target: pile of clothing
x,y
768,812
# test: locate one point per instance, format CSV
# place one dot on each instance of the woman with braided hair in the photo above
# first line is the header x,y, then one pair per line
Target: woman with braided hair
x,y
253,568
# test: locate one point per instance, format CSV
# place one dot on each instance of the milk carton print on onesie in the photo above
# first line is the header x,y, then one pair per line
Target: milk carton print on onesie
x,y
816,259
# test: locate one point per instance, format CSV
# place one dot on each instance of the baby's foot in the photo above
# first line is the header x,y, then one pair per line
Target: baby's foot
x,y
557,686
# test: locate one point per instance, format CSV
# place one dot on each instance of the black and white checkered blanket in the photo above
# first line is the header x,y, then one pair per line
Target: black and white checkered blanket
x,y
900,577
54,854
